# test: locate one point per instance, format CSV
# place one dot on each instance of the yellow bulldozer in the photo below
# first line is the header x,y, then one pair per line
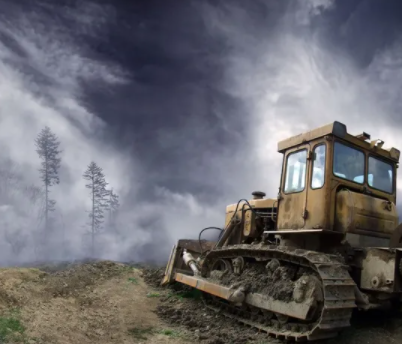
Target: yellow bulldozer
x,y
296,266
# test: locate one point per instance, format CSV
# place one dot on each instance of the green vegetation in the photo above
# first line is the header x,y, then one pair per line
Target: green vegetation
x,y
133,280
192,294
143,333
153,295
170,333
12,330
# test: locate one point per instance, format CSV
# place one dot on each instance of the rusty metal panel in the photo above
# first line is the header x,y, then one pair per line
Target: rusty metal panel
x,y
378,270
249,224
317,216
362,214
290,212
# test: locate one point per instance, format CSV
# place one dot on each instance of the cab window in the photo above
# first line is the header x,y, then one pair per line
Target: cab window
x,y
318,178
296,171
381,174
348,163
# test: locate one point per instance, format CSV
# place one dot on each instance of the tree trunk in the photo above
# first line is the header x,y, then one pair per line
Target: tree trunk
x,y
110,210
46,210
93,221
46,234
47,198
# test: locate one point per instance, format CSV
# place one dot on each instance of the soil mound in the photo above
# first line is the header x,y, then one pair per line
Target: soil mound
x,y
99,302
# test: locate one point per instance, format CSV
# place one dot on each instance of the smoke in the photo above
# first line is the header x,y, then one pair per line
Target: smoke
x,y
255,74
47,64
43,67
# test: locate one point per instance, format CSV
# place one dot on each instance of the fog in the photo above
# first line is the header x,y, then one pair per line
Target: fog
x,y
277,62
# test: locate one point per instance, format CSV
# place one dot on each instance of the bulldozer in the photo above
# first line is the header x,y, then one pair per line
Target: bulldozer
x,y
297,266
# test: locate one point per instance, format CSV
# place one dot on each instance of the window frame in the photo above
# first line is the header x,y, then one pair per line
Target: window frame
x,y
364,166
286,171
325,166
393,173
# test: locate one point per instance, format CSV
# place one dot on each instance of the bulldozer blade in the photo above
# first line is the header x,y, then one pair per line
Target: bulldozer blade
x,y
168,278
176,261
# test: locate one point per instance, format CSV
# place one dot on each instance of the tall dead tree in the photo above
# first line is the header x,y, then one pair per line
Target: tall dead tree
x,y
99,197
47,147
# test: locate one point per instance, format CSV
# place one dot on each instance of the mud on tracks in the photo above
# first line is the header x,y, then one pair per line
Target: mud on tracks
x,y
182,306
268,279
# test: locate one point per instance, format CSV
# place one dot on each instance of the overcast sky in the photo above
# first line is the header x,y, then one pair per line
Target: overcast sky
x,y
182,102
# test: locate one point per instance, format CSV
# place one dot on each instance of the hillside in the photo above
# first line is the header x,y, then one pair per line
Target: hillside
x,y
101,303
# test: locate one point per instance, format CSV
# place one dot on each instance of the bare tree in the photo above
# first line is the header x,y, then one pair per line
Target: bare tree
x,y
47,146
99,197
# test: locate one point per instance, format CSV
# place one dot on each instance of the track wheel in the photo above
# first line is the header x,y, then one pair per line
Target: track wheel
x,y
282,319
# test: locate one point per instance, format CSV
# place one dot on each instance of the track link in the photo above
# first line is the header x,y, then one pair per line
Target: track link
x,y
338,291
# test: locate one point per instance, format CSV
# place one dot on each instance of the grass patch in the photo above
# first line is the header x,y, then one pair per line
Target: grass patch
x,y
11,328
141,333
170,333
153,295
133,280
192,294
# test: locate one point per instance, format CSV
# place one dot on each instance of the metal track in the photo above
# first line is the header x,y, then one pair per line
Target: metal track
x,y
338,291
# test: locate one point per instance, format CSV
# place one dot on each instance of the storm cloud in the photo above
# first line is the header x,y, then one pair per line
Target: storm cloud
x,y
183,104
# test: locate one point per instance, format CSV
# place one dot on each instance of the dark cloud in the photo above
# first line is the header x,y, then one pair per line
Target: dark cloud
x,y
184,102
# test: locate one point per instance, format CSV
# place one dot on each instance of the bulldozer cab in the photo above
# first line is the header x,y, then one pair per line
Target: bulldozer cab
x,y
334,181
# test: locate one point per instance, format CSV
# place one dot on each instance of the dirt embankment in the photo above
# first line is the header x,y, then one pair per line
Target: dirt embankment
x,y
101,302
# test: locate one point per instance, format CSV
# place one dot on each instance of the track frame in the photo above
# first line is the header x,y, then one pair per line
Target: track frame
x,y
337,284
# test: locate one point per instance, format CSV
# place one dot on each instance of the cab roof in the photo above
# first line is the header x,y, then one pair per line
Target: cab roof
x,y
339,130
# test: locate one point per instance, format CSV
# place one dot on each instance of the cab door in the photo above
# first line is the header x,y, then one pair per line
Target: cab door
x,y
292,212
